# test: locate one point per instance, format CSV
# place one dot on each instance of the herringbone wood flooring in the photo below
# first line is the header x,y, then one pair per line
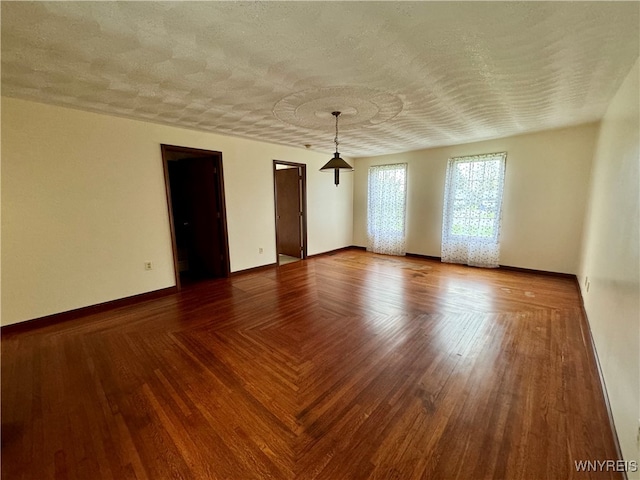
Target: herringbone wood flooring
x,y
345,366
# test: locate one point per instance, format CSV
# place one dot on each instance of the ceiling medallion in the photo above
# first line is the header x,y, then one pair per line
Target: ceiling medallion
x,y
358,106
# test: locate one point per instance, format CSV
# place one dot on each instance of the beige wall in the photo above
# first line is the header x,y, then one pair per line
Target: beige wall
x,y
545,193
84,206
611,263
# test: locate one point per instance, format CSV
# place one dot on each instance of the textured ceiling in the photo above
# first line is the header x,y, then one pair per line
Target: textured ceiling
x,y
406,75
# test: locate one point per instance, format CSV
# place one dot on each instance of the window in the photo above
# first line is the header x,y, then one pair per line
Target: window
x,y
472,210
386,211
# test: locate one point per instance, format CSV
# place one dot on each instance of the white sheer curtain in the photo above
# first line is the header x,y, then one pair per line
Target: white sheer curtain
x,y
473,209
387,205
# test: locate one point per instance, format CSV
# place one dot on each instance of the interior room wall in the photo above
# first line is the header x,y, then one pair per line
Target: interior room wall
x,y
611,264
84,206
545,194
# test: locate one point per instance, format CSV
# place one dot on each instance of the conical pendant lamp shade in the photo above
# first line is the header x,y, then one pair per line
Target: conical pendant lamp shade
x,y
336,163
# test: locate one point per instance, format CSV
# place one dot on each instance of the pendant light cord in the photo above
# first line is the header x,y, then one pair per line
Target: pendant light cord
x,y
336,139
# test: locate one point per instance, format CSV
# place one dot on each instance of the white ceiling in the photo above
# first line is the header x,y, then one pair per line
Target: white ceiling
x,y
407,75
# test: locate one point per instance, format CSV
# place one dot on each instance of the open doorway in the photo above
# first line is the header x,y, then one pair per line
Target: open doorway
x,y
197,213
290,190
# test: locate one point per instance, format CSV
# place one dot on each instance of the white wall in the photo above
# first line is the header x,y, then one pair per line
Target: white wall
x,y
84,206
611,262
545,193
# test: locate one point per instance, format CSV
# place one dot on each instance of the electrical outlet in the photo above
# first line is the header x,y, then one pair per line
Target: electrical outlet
x,y
260,250
148,266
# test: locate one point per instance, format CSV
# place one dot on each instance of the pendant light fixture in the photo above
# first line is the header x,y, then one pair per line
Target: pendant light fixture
x,y
336,163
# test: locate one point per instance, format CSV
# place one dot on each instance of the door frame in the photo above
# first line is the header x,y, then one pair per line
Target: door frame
x,y
167,150
303,202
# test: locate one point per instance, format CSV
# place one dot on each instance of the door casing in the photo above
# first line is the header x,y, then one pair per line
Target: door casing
x,y
302,170
179,153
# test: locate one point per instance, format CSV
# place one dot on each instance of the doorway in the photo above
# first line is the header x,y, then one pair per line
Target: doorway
x,y
197,213
290,190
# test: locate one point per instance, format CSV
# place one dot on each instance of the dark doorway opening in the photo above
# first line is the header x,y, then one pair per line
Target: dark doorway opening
x,y
290,190
197,213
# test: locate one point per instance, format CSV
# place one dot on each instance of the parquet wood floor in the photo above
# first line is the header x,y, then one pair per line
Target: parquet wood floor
x,y
345,366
